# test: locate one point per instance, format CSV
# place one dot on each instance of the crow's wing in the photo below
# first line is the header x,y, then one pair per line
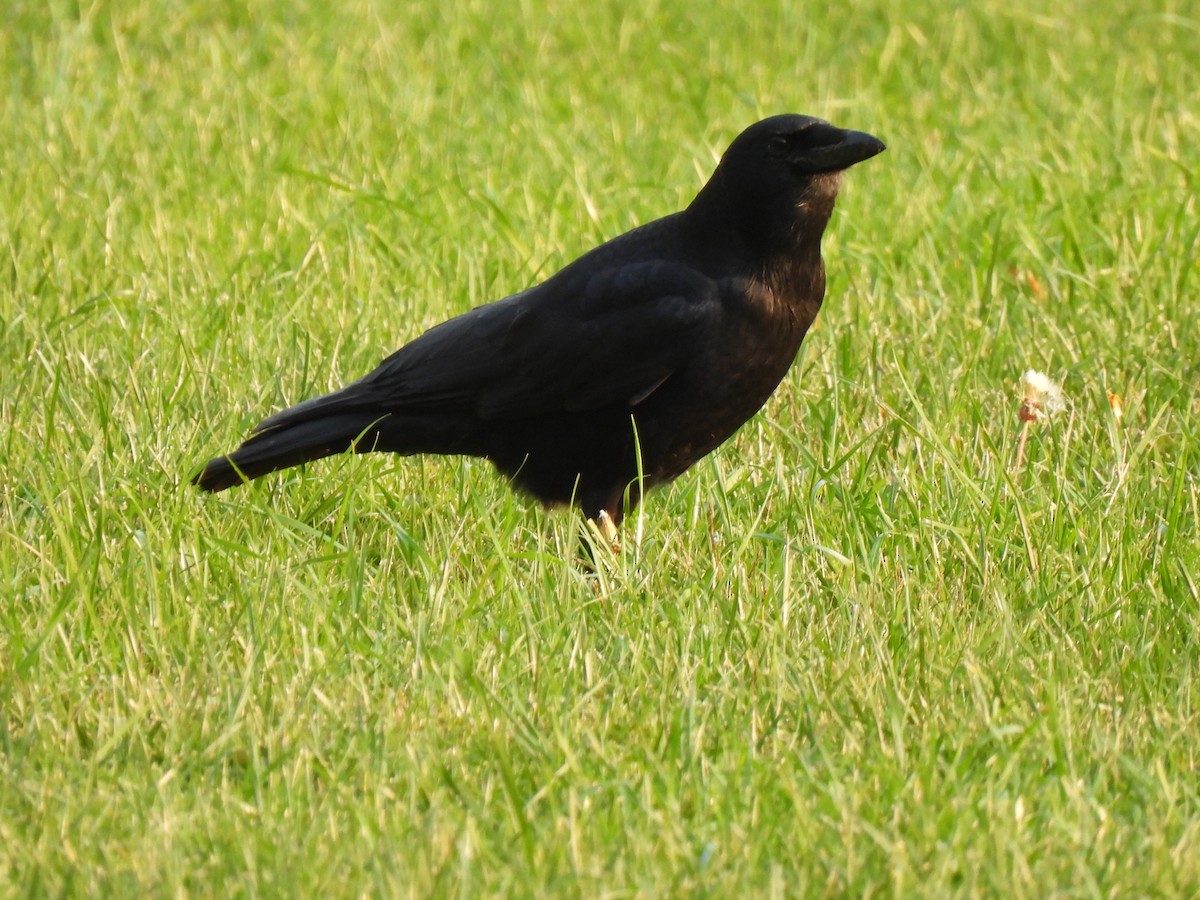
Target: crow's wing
x,y
571,344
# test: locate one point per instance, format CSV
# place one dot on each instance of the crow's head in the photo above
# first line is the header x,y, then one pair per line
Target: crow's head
x,y
783,172
788,150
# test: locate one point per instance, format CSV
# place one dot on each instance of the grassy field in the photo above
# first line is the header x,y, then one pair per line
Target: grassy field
x,y
858,651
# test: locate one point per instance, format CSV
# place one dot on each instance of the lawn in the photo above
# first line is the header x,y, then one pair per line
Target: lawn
x,y
858,651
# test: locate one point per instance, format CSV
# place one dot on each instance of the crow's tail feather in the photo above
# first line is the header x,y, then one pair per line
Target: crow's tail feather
x,y
295,436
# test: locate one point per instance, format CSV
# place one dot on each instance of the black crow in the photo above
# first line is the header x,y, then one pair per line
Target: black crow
x,y
637,359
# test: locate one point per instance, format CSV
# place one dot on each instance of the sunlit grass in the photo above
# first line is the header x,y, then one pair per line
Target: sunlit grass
x,y
856,651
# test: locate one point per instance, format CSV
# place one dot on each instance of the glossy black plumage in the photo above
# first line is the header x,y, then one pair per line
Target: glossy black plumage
x,y
681,328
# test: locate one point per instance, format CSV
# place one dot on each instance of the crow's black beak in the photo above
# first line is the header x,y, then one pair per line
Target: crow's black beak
x,y
852,148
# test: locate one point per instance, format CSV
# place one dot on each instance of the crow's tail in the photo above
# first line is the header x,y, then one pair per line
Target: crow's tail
x,y
318,428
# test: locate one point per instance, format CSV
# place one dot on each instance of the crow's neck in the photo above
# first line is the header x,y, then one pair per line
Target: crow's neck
x,y
778,237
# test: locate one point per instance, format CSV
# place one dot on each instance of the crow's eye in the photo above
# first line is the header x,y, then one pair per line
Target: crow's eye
x,y
778,144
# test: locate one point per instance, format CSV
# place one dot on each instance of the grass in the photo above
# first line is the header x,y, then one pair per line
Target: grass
x,y
857,652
